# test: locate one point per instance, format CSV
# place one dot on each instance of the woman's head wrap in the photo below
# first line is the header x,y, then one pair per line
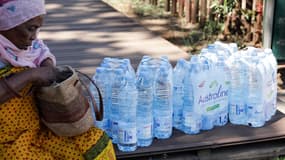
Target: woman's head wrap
x,y
16,12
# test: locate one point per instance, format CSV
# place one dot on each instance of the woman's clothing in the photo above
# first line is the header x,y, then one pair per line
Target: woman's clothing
x,y
32,57
23,136
16,12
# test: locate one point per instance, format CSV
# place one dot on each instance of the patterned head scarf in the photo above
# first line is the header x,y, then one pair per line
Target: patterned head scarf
x,y
16,12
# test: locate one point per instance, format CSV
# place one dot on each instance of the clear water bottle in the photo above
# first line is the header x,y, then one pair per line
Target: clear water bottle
x,y
144,107
223,48
255,106
119,81
222,72
238,88
267,85
191,119
162,108
127,128
179,74
233,48
273,72
209,113
101,78
227,48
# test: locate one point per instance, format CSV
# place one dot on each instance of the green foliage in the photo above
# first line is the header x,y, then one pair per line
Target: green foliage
x,y
145,9
221,10
140,7
248,14
280,158
212,27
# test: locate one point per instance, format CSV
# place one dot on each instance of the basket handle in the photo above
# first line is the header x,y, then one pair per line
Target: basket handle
x,y
98,112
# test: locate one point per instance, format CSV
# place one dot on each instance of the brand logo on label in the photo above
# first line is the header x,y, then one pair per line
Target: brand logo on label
x,y
213,96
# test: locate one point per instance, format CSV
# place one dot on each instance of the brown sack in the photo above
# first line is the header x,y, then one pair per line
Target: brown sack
x,y
64,108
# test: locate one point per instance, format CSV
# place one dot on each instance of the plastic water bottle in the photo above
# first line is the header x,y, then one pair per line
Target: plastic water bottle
x,y
223,73
179,74
144,107
223,49
255,107
206,107
116,88
101,79
233,48
209,54
162,109
273,63
267,85
127,134
191,119
238,92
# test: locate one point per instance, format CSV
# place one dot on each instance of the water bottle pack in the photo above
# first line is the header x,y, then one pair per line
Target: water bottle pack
x,y
220,84
158,74
145,87
116,79
206,92
179,74
253,87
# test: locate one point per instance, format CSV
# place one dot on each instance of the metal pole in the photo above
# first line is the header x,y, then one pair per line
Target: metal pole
x,y
269,6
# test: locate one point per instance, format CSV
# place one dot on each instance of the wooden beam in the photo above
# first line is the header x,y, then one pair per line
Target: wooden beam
x,y
181,4
188,10
243,4
156,2
203,12
194,11
209,2
174,7
167,5
253,5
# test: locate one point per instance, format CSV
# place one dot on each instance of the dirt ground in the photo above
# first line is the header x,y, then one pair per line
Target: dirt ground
x,y
186,36
171,28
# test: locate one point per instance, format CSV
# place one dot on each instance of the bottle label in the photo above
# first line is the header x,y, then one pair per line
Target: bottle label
x,y
237,110
114,128
192,122
127,136
163,124
222,119
210,94
145,131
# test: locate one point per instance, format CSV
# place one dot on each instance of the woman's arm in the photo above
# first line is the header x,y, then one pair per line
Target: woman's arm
x,y
47,62
41,76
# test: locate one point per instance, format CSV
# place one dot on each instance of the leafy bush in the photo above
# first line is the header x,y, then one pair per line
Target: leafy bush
x,y
212,27
220,11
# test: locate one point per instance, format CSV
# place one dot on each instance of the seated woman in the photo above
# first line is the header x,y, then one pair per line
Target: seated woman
x,y
26,61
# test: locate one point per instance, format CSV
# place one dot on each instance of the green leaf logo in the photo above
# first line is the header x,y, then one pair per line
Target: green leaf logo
x,y
213,107
227,82
213,84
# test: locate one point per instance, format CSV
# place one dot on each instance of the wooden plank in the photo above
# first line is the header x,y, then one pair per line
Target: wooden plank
x,y
81,33
174,7
188,10
254,5
181,4
226,136
194,11
243,4
209,3
167,5
266,150
203,12
255,151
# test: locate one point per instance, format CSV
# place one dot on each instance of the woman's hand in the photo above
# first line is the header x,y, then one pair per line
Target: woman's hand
x,y
44,76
